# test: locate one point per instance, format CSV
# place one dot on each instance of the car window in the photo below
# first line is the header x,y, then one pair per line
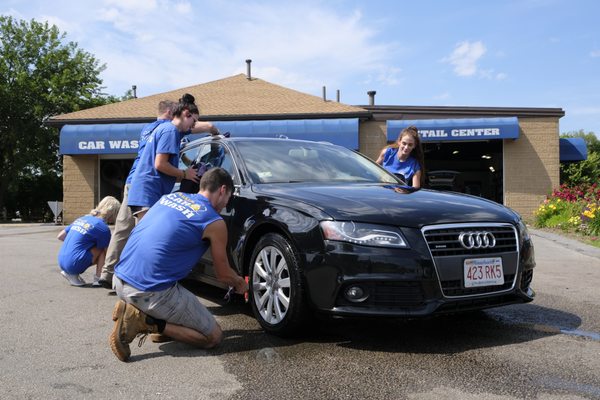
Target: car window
x,y
295,161
188,157
216,155
208,154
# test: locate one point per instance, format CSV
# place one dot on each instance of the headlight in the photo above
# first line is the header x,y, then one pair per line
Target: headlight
x,y
363,234
523,230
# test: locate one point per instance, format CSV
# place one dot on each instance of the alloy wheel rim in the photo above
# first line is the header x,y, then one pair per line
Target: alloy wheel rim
x,y
271,285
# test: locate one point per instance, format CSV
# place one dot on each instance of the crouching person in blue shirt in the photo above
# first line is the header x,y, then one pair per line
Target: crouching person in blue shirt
x,y
162,249
86,240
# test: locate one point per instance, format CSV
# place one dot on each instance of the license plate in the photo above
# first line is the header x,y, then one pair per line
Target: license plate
x,y
483,272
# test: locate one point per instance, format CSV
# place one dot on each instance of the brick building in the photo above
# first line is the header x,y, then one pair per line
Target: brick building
x,y
509,155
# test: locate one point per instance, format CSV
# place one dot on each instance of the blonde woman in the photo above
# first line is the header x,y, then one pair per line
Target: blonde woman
x,y
85,242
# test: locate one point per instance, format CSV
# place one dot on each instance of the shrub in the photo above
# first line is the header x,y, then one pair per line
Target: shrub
x,y
574,208
590,219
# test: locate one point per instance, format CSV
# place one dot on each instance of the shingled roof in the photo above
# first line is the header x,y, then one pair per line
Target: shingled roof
x,y
236,97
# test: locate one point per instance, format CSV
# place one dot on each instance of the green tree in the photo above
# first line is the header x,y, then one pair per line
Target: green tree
x,y
41,75
586,172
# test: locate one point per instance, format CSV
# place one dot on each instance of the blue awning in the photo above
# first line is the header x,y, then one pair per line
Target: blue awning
x,y
100,139
572,149
441,130
123,138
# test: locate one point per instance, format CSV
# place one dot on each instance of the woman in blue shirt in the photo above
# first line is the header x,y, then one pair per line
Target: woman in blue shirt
x,y
405,157
86,240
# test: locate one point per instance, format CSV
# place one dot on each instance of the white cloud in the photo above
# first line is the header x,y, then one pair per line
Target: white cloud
x,y
500,76
485,73
183,7
160,45
587,110
324,44
442,96
465,56
595,53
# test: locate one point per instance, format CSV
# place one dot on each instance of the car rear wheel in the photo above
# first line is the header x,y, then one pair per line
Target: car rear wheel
x,y
276,288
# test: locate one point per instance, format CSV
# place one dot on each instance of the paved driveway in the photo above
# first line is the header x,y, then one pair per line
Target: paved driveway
x,y
55,342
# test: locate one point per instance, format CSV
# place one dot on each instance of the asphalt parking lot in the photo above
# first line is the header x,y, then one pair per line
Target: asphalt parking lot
x,y
55,342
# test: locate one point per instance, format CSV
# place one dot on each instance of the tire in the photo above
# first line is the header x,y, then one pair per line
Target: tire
x,y
276,287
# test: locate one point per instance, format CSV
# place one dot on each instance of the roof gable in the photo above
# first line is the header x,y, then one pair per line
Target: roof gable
x,y
234,96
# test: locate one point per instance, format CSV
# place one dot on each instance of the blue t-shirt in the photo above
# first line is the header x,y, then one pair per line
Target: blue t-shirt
x,y
166,244
405,168
146,131
148,184
84,233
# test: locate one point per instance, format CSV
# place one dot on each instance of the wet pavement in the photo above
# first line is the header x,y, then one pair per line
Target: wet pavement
x,y
55,342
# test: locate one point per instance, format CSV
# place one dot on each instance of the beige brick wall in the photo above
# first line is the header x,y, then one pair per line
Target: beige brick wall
x,y
372,137
79,186
531,165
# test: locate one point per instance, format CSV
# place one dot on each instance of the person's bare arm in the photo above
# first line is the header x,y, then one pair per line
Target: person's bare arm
x,y
62,235
416,180
216,232
380,158
162,164
204,126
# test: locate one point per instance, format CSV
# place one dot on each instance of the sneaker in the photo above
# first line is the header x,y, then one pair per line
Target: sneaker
x,y
129,322
74,279
160,338
96,282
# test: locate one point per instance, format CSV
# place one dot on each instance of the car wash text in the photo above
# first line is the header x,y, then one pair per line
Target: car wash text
x,y
112,144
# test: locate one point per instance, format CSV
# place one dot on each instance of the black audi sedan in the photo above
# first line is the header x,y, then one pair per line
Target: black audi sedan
x,y
319,228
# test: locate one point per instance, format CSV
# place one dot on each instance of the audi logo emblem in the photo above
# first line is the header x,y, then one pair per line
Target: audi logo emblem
x,y
477,240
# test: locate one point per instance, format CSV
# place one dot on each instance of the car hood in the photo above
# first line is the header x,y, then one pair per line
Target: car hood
x,y
388,204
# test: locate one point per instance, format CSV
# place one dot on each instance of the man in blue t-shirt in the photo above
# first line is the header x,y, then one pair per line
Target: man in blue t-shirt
x,y
162,249
157,170
125,221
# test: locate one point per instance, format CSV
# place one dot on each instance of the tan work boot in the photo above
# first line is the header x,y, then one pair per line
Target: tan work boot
x,y
129,322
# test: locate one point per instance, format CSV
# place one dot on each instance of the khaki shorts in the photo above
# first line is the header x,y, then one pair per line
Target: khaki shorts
x,y
176,305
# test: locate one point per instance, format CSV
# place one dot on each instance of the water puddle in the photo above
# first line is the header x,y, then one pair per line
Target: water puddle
x,y
568,386
577,332
564,331
268,355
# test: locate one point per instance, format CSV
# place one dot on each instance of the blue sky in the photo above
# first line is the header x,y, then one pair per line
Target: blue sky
x,y
527,53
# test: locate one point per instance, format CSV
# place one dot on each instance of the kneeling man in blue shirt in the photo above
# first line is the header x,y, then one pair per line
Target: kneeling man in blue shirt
x,y
162,249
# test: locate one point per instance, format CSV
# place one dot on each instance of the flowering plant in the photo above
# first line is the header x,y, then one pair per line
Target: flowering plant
x,y
590,218
571,208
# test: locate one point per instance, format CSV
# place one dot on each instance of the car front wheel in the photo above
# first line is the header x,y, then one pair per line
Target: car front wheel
x,y
276,288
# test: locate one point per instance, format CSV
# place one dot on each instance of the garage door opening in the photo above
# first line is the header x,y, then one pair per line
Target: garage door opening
x,y
468,167
113,174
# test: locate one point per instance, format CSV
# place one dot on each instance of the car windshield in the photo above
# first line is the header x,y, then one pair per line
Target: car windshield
x,y
294,161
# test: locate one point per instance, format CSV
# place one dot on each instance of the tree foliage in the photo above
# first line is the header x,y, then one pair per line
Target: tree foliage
x,y
41,75
586,172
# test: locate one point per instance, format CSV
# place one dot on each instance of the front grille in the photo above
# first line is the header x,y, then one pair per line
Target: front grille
x,y
454,288
387,294
444,242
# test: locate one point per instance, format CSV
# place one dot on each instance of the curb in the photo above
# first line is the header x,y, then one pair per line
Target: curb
x,y
28,228
566,242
